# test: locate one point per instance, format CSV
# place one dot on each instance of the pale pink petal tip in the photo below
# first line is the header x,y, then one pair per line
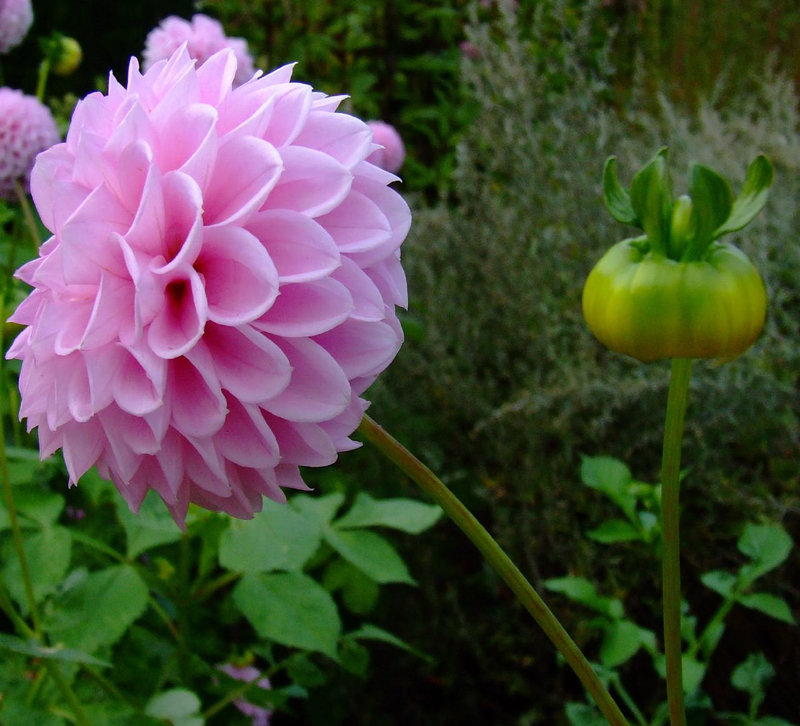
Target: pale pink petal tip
x,y
220,284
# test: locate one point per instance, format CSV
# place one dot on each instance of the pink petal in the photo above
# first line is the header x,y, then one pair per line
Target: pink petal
x,y
188,141
215,77
86,238
390,279
241,280
318,389
83,444
346,138
367,300
180,323
140,382
182,235
307,308
133,167
146,232
312,182
245,439
205,467
300,249
291,107
357,224
245,172
248,365
197,404
54,193
303,443
361,348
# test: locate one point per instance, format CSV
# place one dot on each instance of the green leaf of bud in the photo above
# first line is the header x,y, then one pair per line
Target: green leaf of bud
x,y
651,199
752,198
617,199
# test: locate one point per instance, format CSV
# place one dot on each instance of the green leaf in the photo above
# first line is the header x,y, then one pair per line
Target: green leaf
x,y
291,609
693,673
96,609
616,197
614,530
41,505
371,554
37,650
580,590
151,527
611,477
359,592
303,671
320,509
373,632
712,201
751,199
582,714
178,707
768,604
721,582
354,657
48,552
752,675
767,545
651,199
406,515
621,642
277,538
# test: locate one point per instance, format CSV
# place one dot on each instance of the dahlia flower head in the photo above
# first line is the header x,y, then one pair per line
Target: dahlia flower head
x,y
26,128
390,152
218,290
203,37
16,18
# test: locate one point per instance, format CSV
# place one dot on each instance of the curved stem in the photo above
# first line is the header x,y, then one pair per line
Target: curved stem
x,y
670,512
499,561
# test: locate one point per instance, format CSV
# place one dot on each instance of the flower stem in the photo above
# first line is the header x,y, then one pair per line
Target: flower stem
x,y
671,568
499,561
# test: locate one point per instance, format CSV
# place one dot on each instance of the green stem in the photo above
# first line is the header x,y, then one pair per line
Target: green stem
x,y
182,603
499,561
16,536
670,512
44,71
69,695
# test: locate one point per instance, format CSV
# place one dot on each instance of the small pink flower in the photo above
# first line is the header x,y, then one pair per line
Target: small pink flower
x,y
16,18
248,674
203,36
390,152
218,290
26,128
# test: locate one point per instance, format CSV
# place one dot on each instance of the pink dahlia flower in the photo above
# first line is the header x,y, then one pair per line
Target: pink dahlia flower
x,y
218,290
249,674
26,127
390,152
16,17
203,36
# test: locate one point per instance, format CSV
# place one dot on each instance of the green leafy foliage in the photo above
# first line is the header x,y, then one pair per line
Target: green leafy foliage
x,y
766,546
